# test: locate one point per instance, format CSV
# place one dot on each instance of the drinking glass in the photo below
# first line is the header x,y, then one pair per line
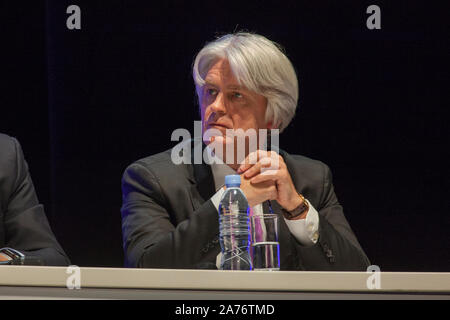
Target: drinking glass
x,y
265,246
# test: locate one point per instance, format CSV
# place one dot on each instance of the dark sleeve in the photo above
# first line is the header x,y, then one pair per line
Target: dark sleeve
x,y
26,225
150,237
337,248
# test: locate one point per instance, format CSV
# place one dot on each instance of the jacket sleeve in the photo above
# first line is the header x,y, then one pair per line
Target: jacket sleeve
x,y
337,248
151,239
26,226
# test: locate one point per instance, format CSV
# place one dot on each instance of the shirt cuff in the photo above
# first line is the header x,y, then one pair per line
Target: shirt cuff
x,y
306,231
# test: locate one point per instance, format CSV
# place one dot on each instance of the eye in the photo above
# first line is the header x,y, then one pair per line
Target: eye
x,y
211,92
237,95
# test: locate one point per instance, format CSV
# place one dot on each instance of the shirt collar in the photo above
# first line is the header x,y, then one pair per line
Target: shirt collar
x,y
219,170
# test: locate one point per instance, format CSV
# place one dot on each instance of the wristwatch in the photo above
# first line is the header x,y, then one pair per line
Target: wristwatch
x,y
302,208
16,257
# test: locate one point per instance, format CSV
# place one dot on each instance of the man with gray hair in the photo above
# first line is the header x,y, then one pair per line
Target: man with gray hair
x,y
170,211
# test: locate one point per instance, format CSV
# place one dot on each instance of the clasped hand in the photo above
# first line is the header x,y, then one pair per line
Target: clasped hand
x,y
264,176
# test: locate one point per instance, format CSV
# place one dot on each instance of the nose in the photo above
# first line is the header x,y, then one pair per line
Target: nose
x,y
218,106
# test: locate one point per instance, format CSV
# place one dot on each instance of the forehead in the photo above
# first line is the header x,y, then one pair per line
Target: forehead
x,y
221,72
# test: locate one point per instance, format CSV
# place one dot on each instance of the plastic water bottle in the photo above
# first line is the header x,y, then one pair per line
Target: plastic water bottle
x,y
234,227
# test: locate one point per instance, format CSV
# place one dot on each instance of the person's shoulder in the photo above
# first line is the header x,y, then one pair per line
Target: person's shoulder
x,y
309,169
10,158
302,161
159,164
158,159
8,144
10,148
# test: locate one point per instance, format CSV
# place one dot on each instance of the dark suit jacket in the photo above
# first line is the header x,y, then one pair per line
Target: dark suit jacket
x,y
169,221
23,223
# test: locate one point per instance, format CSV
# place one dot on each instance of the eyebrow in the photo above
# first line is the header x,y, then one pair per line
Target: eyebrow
x,y
233,86
209,83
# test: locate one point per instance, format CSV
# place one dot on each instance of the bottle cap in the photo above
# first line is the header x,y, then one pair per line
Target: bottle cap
x,y
233,180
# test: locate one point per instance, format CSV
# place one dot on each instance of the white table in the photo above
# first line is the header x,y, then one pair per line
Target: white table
x,y
29,282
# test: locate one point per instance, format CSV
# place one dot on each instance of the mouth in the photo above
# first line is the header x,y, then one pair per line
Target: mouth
x,y
217,125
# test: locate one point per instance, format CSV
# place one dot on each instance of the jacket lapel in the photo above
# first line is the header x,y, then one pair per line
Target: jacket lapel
x,y
202,183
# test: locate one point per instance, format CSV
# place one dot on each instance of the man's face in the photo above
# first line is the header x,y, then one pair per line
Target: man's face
x,y
227,105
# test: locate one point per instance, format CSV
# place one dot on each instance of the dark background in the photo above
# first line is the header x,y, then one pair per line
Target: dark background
x,y
373,106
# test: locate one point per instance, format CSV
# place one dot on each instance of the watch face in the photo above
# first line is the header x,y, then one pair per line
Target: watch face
x,y
13,255
4,257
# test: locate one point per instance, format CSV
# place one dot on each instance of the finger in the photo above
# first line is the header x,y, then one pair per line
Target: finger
x,y
264,165
269,175
251,160
258,167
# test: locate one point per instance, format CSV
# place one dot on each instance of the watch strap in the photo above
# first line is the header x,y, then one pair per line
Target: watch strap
x,y
302,208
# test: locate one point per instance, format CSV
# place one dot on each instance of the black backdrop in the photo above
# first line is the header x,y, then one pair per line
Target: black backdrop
x,y
373,106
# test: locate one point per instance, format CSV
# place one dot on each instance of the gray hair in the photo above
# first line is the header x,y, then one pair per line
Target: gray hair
x,y
258,64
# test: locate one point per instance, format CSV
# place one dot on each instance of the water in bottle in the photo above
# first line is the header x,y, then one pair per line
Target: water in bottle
x,y
234,227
